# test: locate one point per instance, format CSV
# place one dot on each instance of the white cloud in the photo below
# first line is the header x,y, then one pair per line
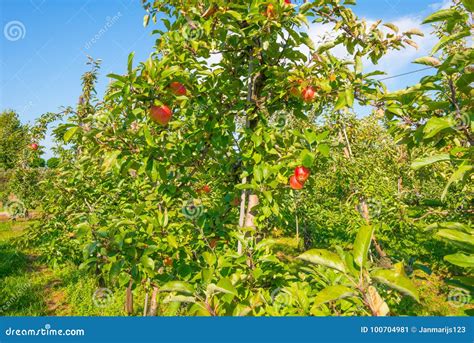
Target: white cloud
x,y
440,5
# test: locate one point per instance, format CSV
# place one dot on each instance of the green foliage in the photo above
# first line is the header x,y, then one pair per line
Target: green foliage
x,y
13,139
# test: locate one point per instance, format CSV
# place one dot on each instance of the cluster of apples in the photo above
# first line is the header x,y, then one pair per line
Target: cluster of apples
x,y
162,114
299,177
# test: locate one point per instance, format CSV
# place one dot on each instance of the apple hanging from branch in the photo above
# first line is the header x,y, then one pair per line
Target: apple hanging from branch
x,y
161,114
178,88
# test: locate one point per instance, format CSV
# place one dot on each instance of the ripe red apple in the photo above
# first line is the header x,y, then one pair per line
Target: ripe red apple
x,y
206,189
302,173
270,10
178,88
213,242
308,94
287,2
294,183
34,146
168,261
161,114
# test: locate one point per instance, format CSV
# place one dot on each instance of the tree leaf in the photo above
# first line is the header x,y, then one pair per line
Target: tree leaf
x,y
70,133
147,262
461,260
426,161
436,125
450,39
457,237
395,280
441,15
178,286
377,304
428,60
362,244
178,298
458,175
323,257
332,293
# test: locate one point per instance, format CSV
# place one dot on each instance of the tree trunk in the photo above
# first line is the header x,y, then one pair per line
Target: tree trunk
x,y
129,299
154,303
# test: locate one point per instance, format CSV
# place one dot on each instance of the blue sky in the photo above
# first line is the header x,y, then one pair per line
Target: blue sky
x,y
44,44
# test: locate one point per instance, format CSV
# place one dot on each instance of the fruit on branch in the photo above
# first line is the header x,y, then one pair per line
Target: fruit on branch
x,y
161,114
294,183
302,173
34,146
205,189
308,94
287,2
270,11
168,261
178,88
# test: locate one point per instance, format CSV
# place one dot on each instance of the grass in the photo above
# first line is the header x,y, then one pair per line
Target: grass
x,y
30,288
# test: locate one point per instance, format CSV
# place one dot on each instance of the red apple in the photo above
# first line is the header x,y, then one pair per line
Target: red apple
x,y
206,189
34,146
294,183
178,88
287,2
308,94
168,261
302,173
270,10
161,114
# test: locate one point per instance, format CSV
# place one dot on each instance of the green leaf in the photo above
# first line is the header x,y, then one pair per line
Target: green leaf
x,y
461,260
70,133
362,244
396,280
426,161
428,60
436,125
461,238
146,20
178,298
458,175
341,101
110,160
450,39
442,15
147,262
130,62
323,257
391,26
332,293
307,158
324,149
469,4
178,286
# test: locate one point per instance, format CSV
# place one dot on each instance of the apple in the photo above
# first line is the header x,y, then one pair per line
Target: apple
x,y
206,189
308,94
178,88
294,183
270,10
287,2
168,261
34,146
302,173
213,242
161,114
